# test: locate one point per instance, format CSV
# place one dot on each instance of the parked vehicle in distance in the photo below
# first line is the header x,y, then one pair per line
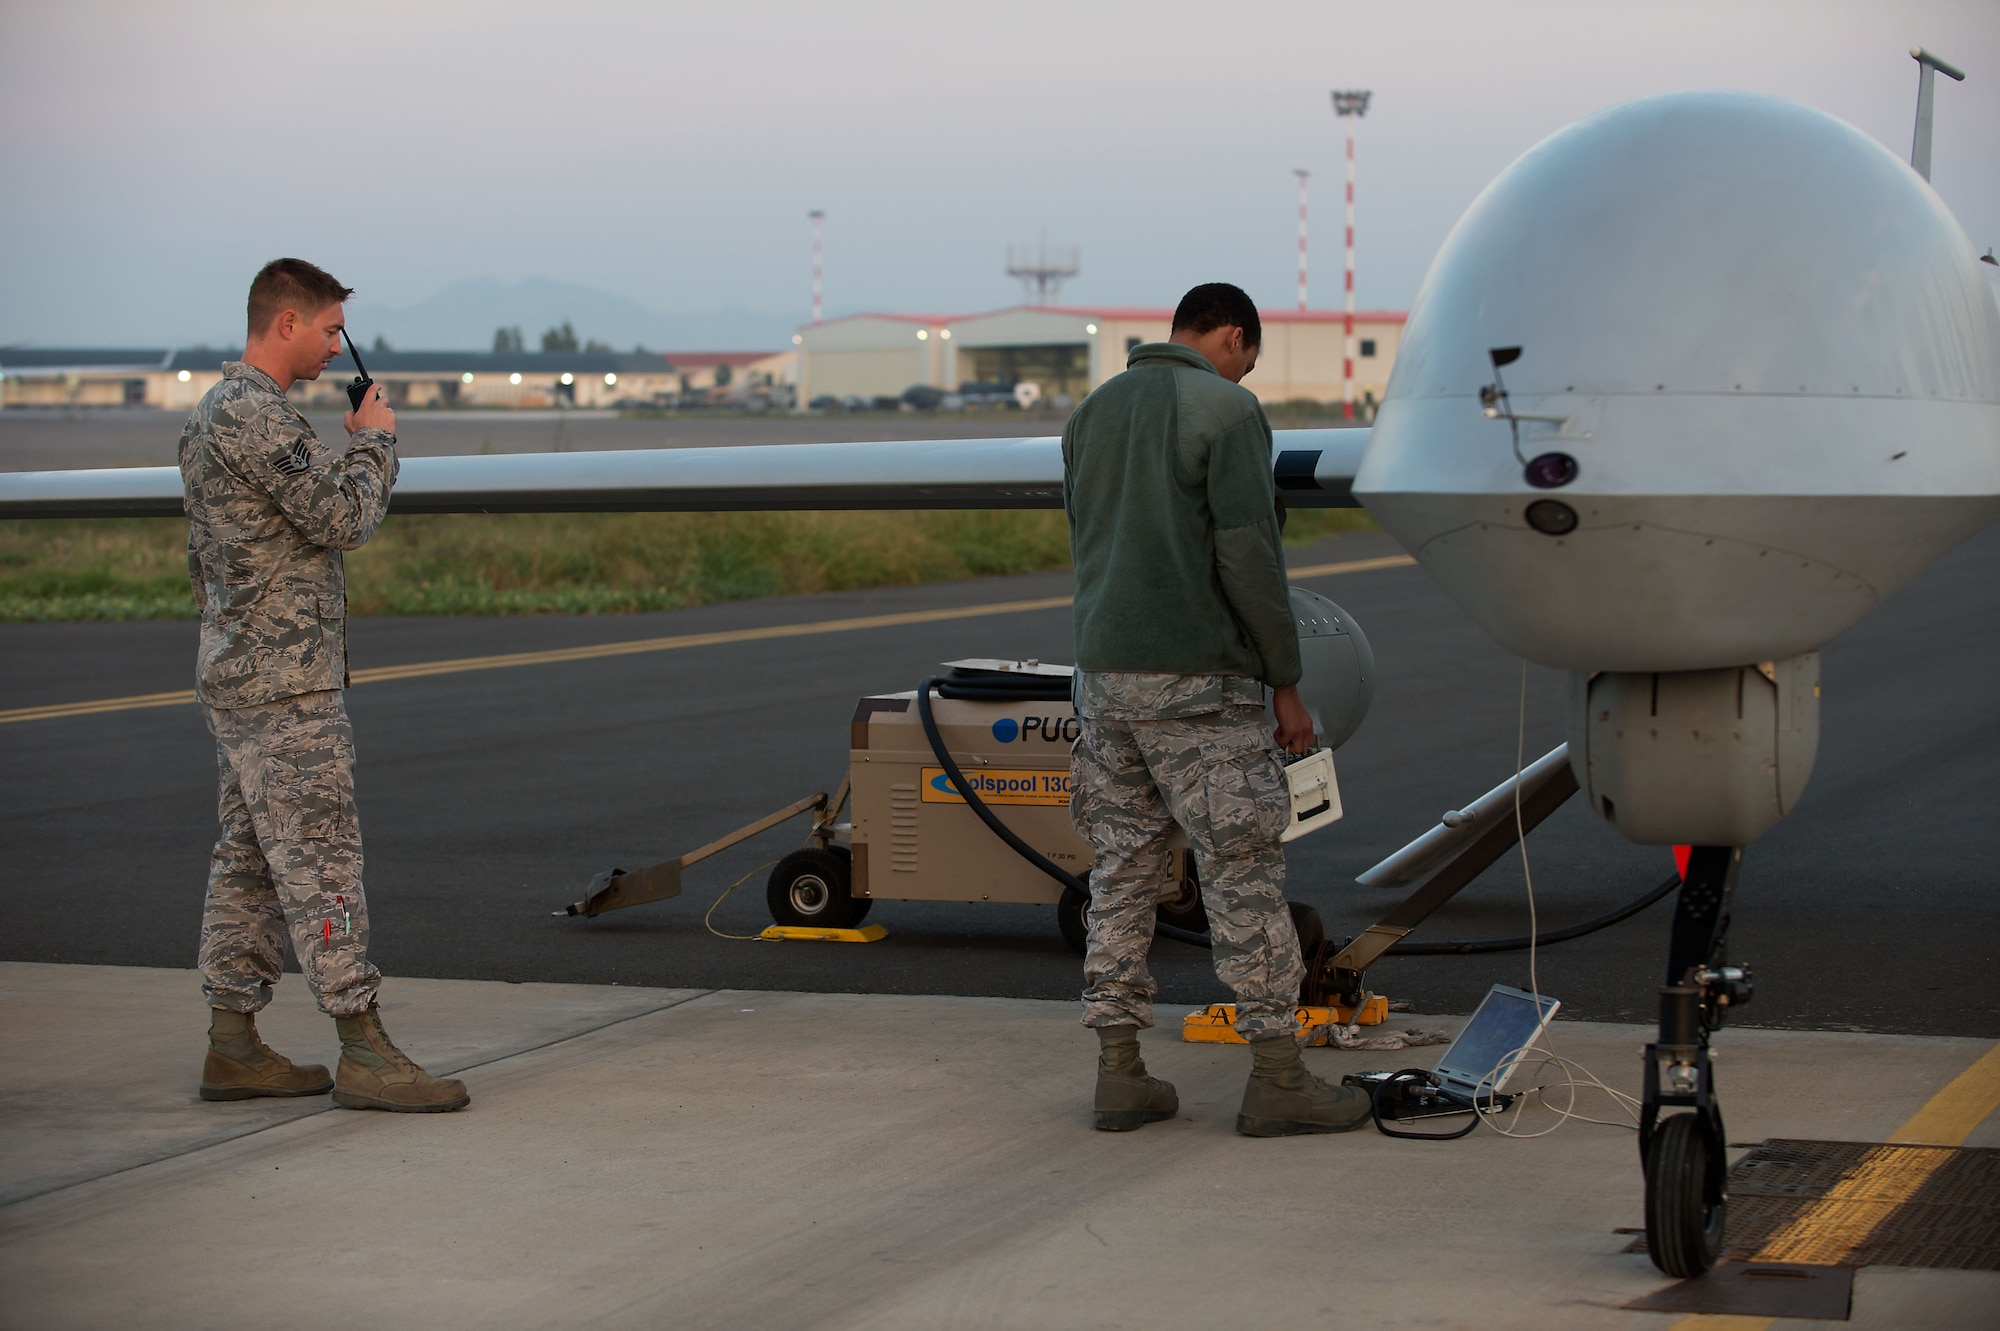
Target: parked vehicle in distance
x,y
987,395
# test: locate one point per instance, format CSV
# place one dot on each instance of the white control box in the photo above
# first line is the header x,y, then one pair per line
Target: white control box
x,y
1315,793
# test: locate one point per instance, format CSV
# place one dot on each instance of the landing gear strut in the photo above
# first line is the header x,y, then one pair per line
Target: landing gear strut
x,y
1686,1169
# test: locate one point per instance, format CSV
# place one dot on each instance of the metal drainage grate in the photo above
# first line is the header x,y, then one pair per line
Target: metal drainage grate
x,y
1863,1204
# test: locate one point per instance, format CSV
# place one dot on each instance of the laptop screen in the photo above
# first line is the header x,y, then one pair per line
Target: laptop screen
x,y
1507,1020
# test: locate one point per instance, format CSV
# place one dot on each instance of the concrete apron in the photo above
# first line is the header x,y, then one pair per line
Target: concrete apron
x,y
649,1157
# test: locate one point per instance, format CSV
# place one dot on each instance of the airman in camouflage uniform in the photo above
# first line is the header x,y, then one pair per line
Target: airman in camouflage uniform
x,y
1182,619
270,509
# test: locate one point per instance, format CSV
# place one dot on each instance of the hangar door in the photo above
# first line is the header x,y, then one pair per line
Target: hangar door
x,y
1058,368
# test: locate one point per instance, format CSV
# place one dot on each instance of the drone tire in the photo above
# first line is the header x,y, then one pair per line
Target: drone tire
x,y
1684,1213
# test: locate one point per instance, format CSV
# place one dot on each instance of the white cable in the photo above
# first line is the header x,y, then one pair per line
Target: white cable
x,y
1513,1058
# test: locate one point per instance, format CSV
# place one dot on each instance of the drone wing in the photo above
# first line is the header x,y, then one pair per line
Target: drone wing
x,y
1312,468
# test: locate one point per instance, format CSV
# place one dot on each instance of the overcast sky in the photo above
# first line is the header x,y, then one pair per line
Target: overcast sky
x,y
156,154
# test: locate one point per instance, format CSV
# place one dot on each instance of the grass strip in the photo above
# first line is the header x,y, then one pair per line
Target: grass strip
x,y
562,563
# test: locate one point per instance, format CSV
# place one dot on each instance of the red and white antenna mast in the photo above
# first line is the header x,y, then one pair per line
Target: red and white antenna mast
x,y
818,215
1302,175
1349,106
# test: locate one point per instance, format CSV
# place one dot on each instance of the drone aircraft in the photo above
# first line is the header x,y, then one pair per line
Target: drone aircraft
x,y
1692,386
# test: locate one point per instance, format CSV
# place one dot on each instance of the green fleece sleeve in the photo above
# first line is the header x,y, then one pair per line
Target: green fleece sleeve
x,y
1249,556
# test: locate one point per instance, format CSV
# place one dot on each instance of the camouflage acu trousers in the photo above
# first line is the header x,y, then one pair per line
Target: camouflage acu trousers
x,y
288,857
1216,775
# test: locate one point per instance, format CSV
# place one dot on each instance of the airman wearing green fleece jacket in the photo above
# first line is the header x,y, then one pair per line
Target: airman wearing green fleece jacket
x,y
1182,619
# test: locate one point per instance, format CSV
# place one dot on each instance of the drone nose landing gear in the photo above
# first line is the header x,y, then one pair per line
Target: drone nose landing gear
x,y
1686,1172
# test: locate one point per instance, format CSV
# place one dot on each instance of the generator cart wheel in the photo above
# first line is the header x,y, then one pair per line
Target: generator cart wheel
x,y
1306,922
1073,918
811,888
1182,908
1684,1213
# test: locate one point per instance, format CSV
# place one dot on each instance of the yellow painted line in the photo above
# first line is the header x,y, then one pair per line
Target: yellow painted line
x,y
1956,1110
1827,1232
1350,566
460,665
1841,1221
637,646
131,704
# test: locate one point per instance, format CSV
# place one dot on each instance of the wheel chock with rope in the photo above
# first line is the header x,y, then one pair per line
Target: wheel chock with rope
x,y
1216,1023
791,933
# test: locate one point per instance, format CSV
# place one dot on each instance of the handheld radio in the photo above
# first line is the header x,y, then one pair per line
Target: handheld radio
x,y
357,392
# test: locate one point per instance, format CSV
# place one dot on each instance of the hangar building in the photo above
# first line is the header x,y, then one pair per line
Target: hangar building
x,y
1067,351
176,378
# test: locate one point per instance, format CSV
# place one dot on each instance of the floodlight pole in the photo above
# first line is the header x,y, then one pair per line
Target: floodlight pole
x,y
1303,176
817,215
1920,146
1349,106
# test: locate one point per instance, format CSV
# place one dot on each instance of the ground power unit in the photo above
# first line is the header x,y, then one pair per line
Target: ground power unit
x,y
1006,726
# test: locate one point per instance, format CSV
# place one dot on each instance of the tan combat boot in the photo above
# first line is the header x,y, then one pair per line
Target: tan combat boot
x,y
374,1074
1126,1097
1282,1099
240,1066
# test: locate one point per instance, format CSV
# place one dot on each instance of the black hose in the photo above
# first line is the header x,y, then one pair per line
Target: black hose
x,y
994,693
1472,946
978,805
1468,946
1000,686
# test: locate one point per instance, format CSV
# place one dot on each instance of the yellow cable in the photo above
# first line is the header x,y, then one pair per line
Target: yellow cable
x,y
741,938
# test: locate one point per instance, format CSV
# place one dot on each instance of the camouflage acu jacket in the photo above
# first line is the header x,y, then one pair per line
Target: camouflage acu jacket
x,y
269,509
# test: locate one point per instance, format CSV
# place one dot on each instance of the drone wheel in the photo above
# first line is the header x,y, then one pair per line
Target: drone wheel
x,y
1684,1211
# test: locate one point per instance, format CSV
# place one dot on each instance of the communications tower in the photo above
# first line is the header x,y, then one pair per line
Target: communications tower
x,y
1349,106
1043,271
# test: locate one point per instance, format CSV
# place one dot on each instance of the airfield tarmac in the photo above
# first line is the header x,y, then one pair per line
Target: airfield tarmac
x,y
489,798
671,1128
722,1158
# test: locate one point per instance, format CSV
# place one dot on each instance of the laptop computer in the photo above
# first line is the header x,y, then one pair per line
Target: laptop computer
x,y
1507,1019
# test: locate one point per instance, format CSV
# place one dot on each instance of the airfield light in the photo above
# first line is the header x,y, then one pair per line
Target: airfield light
x,y
185,376
1091,329
610,379
568,378
514,378
465,378
923,334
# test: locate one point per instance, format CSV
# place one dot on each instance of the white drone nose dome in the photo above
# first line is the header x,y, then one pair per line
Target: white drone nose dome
x,y
1766,344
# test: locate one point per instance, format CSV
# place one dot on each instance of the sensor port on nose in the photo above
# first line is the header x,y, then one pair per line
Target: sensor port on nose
x,y
1551,517
1551,471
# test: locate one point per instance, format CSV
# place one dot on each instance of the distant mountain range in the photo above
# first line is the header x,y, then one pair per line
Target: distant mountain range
x,y
463,316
